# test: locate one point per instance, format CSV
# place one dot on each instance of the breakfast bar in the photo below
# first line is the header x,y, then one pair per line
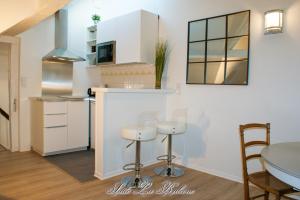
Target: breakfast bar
x,y
120,108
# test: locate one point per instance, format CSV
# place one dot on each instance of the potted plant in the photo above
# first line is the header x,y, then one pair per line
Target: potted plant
x,y
160,59
96,18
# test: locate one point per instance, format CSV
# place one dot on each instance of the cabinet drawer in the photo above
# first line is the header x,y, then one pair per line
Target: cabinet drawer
x,y
55,139
55,108
55,120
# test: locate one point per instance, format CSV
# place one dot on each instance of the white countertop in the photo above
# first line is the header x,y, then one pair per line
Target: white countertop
x,y
133,90
59,98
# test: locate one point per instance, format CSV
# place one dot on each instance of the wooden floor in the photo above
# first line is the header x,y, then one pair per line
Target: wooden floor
x,y
27,176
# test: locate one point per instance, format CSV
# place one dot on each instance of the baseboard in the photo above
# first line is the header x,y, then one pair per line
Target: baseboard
x,y
24,149
120,171
59,152
98,175
211,171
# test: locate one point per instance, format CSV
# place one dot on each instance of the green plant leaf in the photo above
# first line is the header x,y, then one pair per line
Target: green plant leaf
x,y
160,58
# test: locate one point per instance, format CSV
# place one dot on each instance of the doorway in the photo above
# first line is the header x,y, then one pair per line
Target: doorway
x,y
9,93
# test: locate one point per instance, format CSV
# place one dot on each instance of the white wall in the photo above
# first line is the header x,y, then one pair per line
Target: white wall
x,y
4,93
35,43
214,112
80,13
4,76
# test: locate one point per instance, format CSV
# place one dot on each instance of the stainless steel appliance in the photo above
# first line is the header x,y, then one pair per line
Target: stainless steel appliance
x,y
61,52
91,99
57,77
106,53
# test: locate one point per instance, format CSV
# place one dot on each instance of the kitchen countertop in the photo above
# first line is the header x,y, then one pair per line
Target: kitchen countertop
x,y
60,98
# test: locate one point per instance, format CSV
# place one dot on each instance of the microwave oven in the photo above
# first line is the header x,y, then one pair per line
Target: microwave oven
x,y
106,53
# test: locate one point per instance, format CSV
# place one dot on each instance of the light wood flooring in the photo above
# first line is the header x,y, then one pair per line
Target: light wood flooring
x,y
27,176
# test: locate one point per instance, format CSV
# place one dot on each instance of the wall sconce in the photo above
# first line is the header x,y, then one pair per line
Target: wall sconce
x,y
274,21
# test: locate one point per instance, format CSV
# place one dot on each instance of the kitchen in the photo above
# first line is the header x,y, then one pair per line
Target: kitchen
x,y
62,122
98,117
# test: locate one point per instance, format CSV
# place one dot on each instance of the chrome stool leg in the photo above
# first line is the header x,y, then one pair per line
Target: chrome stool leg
x,y
136,181
169,170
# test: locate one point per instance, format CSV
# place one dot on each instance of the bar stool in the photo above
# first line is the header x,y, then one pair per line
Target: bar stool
x,y
169,128
137,135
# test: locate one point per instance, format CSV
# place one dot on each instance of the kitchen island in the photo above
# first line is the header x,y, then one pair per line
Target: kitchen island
x,y
120,108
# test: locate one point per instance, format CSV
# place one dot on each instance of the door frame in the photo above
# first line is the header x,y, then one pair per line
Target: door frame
x,y
14,90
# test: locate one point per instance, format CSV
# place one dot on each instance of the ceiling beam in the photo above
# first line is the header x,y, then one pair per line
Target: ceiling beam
x,y
49,8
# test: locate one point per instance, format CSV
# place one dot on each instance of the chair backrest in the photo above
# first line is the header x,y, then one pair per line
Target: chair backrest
x,y
245,145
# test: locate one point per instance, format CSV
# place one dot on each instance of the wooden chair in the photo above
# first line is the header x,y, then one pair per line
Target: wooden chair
x,y
262,179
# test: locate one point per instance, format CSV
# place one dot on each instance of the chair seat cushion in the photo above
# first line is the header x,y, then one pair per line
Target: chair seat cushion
x,y
267,182
171,127
139,133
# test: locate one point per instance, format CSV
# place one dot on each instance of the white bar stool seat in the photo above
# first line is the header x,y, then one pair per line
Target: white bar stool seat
x,y
170,128
137,135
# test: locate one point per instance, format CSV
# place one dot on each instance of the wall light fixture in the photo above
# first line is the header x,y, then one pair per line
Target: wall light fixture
x,y
274,21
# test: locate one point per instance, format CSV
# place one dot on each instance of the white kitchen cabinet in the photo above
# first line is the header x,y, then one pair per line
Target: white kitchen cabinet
x,y
136,35
93,107
59,127
78,135
55,139
55,108
55,120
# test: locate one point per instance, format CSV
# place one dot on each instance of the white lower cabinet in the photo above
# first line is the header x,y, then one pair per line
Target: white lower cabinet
x,y
59,126
55,120
55,139
93,107
78,133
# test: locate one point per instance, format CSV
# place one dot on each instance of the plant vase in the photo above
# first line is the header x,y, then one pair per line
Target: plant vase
x,y
157,83
160,59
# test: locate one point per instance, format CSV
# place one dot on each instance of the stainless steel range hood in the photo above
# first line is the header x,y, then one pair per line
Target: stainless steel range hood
x,y
61,52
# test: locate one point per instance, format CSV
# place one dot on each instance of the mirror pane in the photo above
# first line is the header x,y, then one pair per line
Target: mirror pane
x,y
238,24
216,28
215,73
237,48
197,52
237,72
216,50
197,30
196,73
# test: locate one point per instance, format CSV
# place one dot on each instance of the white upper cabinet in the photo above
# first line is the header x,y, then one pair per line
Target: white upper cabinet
x,y
136,35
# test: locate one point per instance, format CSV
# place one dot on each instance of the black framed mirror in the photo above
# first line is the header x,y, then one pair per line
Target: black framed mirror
x,y
218,50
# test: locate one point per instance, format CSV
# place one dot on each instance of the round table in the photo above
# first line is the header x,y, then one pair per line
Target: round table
x,y
282,160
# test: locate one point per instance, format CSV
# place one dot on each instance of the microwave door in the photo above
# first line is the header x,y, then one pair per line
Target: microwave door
x,y
106,53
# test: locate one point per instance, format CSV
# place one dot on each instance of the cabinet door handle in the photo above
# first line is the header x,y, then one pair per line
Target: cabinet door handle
x,y
56,126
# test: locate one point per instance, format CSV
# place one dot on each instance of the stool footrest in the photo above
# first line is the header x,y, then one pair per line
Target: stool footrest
x,y
165,157
131,166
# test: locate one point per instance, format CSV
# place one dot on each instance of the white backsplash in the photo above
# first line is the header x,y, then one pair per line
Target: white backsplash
x,y
135,75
